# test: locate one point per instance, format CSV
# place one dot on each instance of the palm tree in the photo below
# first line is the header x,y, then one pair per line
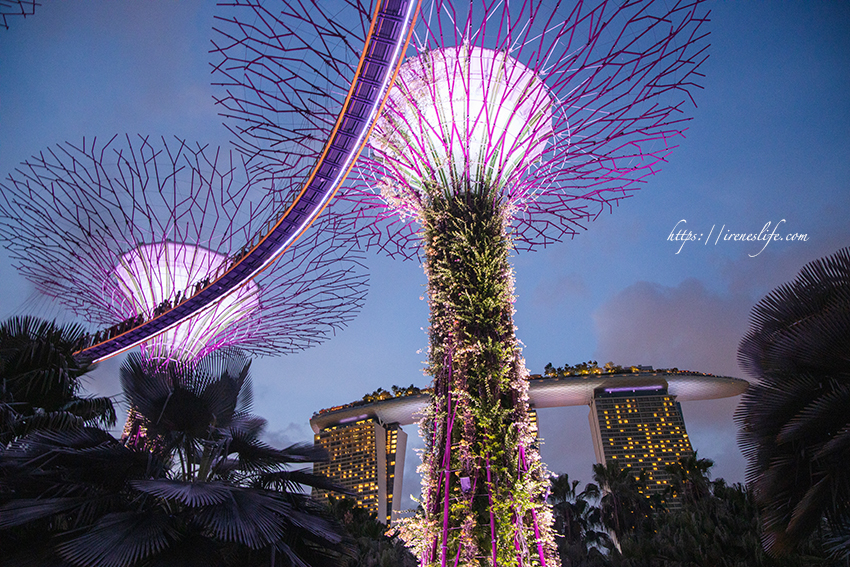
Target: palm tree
x,y
575,516
625,510
576,521
794,421
690,480
211,493
720,529
40,379
563,498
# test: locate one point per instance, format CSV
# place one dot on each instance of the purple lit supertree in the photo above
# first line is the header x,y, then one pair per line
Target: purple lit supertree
x,y
122,231
507,127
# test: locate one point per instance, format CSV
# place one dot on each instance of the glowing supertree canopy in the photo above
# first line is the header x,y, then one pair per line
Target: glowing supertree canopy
x,y
153,274
122,231
619,78
462,112
510,125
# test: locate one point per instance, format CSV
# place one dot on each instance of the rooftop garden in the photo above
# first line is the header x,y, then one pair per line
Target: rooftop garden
x,y
380,395
591,367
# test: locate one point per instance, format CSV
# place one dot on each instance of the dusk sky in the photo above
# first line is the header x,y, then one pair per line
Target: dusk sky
x,y
769,143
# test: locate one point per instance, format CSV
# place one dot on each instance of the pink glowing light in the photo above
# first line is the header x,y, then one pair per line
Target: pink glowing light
x,y
152,274
80,228
457,114
633,389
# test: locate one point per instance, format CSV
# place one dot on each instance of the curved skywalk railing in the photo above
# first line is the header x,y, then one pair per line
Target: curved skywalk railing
x,y
386,43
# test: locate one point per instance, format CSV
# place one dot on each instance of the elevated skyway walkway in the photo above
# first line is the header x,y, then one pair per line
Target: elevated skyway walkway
x,y
383,52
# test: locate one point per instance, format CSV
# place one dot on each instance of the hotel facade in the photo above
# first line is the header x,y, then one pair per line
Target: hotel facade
x,y
635,420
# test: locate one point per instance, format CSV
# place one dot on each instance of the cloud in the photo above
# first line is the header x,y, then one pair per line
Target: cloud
x,y
776,266
686,327
690,328
288,435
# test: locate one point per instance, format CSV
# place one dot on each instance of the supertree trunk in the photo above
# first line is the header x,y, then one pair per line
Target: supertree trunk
x,y
485,491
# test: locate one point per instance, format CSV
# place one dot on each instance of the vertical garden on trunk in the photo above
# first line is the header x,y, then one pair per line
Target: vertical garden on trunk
x,y
484,491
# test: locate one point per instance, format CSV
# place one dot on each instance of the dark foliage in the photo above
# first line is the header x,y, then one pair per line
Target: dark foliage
x,y
375,545
794,421
711,524
624,505
211,494
718,529
578,526
40,379
689,482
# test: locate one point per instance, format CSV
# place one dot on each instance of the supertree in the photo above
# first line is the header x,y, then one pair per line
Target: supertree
x,y
124,231
294,204
508,126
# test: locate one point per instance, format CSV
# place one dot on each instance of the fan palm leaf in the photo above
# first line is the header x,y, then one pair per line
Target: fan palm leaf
x,y
240,489
80,473
193,494
40,379
120,540
233,501
794,422
24,511
93,410
16,425
291,480
247,517
39,365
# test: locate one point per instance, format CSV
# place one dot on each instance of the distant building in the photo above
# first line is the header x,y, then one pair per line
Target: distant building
x,y
363,459
639,428
635,420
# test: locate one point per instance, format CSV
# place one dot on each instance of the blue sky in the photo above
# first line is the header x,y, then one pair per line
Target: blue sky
x,y
768,143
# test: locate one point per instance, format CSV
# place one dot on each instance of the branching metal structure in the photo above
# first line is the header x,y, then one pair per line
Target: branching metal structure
x,y
15,8
301,199
124,231
509,126
620,78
